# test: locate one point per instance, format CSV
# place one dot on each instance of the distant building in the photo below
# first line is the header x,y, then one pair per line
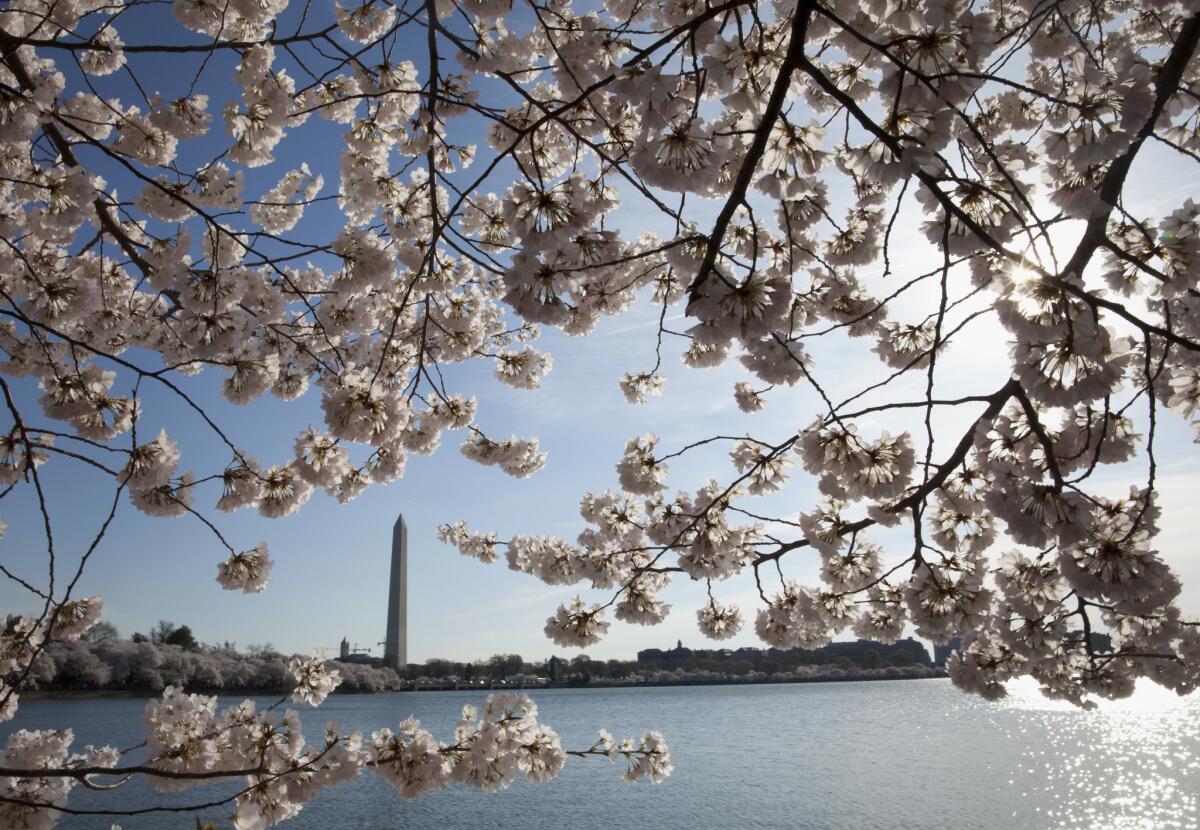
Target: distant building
x,y
902,652
679,654
350,654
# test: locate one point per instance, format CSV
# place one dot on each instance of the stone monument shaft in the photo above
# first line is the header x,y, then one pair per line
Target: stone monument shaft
x,y
395,649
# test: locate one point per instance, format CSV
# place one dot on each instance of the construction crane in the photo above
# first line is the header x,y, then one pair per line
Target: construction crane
x,y
354,649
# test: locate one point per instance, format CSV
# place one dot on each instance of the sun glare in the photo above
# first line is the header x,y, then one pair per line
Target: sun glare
x,y
1022,276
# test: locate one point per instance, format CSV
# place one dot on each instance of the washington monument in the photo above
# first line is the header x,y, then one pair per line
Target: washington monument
x,y
395,648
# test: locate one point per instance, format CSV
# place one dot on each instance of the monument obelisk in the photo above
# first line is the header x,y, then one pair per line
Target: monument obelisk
x,y
395,648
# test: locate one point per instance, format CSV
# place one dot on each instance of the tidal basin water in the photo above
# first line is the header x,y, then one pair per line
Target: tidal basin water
x,y
825,756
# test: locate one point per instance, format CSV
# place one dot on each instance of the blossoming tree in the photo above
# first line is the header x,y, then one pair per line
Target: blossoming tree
x,y
776,143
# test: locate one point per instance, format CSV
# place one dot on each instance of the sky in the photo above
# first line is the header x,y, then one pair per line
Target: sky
x,y
330,578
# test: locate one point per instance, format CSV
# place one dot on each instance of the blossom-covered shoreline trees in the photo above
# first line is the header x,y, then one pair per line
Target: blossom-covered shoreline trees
x,y
484,148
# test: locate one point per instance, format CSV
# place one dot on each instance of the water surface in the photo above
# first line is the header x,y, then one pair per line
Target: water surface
x,y
816,756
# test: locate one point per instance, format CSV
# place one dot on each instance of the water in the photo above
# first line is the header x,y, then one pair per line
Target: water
x,y
818,756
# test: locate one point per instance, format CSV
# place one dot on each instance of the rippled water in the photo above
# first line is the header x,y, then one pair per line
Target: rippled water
x,y
826,756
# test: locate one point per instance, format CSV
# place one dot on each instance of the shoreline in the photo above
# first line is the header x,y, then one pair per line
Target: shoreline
x,y
119,694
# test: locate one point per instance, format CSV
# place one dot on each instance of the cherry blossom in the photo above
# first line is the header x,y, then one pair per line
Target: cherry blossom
x,y
815,196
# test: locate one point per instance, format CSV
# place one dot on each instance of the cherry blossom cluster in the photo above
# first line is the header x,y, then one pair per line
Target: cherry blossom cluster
x,y
908,180
191,743
1015,553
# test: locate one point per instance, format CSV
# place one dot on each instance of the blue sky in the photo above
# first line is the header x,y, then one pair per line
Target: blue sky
x,y
331,573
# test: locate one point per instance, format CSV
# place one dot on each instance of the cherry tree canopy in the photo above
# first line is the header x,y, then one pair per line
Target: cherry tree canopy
x,y
487,152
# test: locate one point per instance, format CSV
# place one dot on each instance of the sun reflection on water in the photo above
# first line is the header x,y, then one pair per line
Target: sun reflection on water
x,y
1127,765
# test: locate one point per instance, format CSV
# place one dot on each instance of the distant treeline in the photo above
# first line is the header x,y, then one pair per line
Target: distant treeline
x,y
171,656
123,665
768,662
857,654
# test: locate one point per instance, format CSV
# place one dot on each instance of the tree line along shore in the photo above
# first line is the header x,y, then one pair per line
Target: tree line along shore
x,y
104,664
